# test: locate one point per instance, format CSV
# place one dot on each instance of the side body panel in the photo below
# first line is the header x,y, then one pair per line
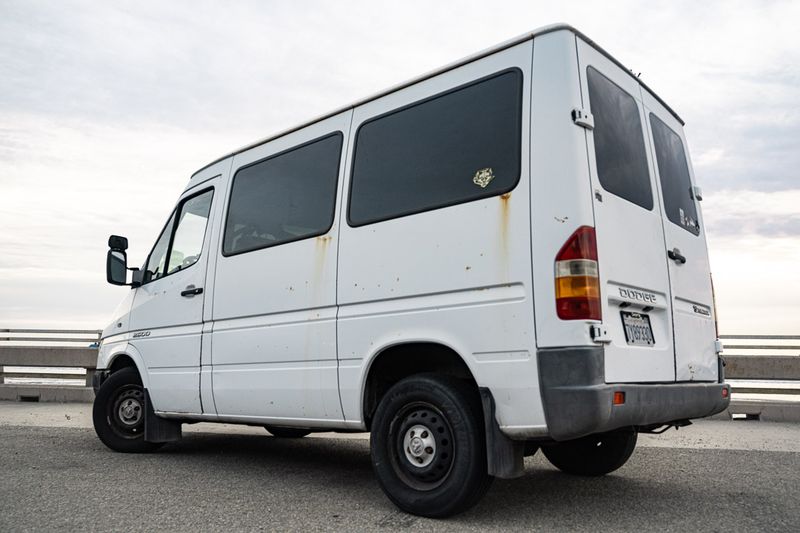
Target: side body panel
x,y
274,332
561,194
458,276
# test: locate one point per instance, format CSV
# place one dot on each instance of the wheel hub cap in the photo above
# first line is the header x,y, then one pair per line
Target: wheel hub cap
x,y
130,411
419,445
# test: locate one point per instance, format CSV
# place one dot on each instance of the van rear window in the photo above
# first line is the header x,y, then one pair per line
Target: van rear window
x,y
455,147
673,171
619,141
285,198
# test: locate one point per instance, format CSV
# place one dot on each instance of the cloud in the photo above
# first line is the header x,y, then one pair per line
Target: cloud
x,y
107,108
752,213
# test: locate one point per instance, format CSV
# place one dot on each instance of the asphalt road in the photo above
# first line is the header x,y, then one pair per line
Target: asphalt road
x,y
65,479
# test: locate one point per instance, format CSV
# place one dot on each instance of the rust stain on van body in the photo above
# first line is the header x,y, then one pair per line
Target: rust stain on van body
x,y
321,245
316,294
505,215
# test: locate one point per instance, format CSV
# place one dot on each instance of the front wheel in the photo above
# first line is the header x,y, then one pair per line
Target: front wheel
x,y
593,455
118,413
428,446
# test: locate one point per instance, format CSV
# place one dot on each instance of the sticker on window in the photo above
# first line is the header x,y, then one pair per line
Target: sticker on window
x,y
483,177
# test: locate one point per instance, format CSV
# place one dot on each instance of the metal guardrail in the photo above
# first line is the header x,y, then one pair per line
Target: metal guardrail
x,y
764,374
753,343
748,367
58,349
41,335
750,357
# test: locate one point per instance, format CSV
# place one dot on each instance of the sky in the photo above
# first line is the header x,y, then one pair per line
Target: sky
x,y
107,108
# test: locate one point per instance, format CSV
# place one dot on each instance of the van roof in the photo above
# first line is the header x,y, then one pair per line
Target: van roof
x,y
468,59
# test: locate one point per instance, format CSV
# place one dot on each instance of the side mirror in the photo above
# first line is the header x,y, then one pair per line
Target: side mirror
x,y
117,263
117,267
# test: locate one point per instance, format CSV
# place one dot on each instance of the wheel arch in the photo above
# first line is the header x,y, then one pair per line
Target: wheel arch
x,y
123,355
398,360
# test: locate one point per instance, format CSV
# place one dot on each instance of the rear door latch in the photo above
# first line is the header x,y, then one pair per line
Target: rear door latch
x,y
676,256
599,333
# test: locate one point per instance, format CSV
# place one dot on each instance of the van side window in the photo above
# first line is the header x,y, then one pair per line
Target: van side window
x,y
180,249
188,241
619,141
454,147
285,198
676,187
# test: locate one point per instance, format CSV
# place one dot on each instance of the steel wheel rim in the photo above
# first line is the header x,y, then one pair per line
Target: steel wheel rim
x,y
126,411
422,448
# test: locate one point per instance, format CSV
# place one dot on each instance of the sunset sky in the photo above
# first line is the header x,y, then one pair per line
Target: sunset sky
x,y
107,108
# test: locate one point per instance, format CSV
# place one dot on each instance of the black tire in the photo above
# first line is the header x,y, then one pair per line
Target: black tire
x,y
594,455
118,413
442,419
287,433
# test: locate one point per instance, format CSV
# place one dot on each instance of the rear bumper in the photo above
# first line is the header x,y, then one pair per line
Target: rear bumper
x,y
578,402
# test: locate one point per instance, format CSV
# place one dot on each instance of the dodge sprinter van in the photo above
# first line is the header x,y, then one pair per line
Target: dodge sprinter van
x,y
503,255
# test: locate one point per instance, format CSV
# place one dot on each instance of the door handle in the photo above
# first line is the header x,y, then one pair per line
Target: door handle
x,y
676,256
191,290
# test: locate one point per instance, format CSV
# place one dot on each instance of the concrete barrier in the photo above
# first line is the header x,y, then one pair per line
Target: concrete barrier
x,y
73,351
784,367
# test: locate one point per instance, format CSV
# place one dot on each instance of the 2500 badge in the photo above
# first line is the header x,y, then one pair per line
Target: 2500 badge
x,y
141,334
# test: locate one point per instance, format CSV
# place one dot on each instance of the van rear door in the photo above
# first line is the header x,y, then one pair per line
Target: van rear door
x,y
635,291
689,272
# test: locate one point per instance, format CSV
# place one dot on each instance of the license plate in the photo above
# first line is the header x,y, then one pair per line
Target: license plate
x,y
637,329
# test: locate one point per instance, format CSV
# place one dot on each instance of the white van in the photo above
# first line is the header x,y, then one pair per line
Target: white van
x,y
502,255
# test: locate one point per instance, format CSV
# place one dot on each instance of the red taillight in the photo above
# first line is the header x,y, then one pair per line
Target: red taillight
x,y
577,277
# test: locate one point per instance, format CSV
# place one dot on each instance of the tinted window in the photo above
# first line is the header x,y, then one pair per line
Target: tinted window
x,y
673,170
454,147
285,198
618,141
188,241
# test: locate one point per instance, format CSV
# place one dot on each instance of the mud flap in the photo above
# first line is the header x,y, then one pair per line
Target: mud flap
x,y
504,457
157,429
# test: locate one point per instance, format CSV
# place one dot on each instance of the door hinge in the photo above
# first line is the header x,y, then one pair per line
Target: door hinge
x,y
718,347
599,333
583,118
697,193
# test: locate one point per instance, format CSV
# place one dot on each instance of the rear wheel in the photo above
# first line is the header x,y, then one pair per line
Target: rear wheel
x,y
287,433
428,446
118,413
593,455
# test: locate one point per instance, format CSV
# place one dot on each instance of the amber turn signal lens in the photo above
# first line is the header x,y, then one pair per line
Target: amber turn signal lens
x,y
578,287
619,398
